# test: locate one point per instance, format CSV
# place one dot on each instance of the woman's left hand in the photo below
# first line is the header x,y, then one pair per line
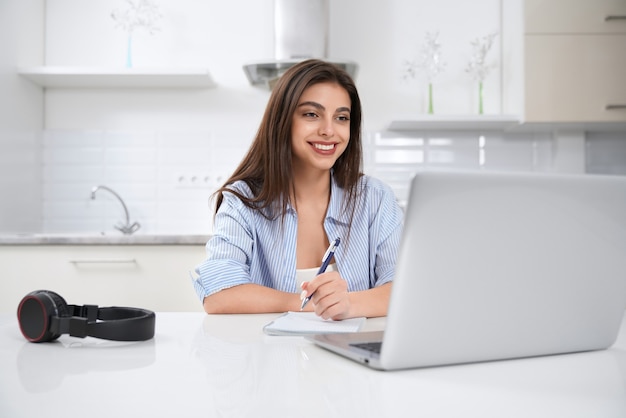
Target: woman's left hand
x,y
330,295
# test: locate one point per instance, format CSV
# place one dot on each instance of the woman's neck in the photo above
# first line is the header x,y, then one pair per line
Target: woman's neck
x,y
311,186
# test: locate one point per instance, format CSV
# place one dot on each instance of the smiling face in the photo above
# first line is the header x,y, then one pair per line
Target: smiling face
x,y
321,126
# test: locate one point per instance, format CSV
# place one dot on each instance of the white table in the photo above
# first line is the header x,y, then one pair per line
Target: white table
x,y
224,366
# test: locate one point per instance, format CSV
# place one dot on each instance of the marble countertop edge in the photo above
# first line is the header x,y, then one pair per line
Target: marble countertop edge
x,y
101,239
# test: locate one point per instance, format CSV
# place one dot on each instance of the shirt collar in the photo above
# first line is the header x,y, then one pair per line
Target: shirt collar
x,y
336,209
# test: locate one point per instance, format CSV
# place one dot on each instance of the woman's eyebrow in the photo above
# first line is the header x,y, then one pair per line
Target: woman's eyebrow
x,y
314,104
320,107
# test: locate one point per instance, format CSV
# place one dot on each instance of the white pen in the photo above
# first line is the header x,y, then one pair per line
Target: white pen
x,y
325,261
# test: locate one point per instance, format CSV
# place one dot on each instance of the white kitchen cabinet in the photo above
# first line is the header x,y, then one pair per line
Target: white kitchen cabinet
x,y
575,16
154,277
575,78
575,61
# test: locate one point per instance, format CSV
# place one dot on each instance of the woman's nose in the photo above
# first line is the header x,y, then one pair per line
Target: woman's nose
x,y
326,128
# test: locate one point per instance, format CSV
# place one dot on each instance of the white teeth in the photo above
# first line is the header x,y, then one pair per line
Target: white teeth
x,y
324,147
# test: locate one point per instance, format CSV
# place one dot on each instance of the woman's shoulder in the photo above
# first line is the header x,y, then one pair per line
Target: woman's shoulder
x,y
369,184
233,193
375,193
377,198
240,196
240,187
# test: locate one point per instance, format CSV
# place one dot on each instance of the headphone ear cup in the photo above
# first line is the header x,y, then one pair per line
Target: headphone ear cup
x,y
59,303
35,311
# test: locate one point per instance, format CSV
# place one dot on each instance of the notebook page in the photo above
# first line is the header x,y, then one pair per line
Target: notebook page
x,y
302,323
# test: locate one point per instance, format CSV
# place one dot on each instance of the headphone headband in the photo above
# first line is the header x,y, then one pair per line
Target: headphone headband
x,y
44,315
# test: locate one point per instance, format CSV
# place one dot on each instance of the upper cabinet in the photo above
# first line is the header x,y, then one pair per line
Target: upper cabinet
x,y
575,60
575,16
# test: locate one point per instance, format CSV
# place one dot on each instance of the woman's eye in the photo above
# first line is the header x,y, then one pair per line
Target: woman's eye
x,y
310,114
343,118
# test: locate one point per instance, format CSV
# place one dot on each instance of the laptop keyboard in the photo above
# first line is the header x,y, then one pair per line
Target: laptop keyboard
x,y
373,347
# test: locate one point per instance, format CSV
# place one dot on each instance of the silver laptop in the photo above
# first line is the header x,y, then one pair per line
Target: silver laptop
x,y
498,266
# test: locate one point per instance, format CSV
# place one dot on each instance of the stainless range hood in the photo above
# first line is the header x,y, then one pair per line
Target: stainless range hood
x,y
300,32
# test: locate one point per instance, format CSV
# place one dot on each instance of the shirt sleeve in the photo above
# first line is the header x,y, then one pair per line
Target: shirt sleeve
x,y
229,250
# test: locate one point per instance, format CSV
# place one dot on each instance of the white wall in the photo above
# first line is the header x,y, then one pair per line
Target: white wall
x,y
21,115
218,36
129,137
149,144
382,36
222,36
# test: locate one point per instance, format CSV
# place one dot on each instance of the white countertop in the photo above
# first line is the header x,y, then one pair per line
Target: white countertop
x,y
205,366
112,238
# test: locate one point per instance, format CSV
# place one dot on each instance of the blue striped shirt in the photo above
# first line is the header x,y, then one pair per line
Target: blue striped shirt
x,y
246,247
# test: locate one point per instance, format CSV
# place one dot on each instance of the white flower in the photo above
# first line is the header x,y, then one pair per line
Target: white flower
x,y
430,61
140,14
477,66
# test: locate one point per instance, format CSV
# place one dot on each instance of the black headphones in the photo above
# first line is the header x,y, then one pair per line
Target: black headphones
x,y
44,315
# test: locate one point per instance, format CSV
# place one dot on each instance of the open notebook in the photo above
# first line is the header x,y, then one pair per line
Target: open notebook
x,y
303,323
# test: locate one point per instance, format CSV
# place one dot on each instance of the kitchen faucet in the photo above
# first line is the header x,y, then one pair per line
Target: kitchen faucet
x,y
126,229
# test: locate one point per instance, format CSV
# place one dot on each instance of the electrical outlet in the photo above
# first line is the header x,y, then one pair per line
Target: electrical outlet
x,y
199,180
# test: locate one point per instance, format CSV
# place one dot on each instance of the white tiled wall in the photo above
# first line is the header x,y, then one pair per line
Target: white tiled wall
x,y
165,179
395,157
20,171
606,153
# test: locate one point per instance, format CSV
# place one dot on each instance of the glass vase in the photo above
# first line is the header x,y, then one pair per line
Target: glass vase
x,y
129,51
430,98
480,98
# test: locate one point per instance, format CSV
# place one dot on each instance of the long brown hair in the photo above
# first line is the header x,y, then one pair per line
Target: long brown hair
x,y
267,168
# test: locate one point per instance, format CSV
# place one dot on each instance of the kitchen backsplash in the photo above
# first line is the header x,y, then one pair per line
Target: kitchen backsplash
x,y
396,157
166,178
605,153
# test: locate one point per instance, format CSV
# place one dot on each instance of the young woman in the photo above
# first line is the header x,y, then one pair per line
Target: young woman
x,y
300,187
